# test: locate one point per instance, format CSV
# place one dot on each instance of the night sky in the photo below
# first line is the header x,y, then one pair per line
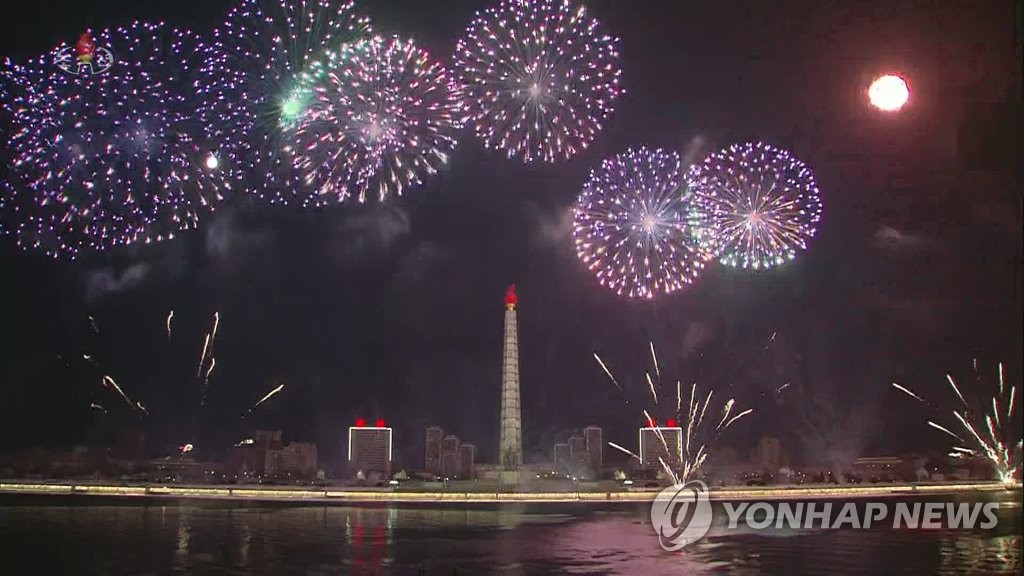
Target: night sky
x,y
395,310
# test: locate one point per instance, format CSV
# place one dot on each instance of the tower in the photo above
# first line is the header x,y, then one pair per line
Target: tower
x,y
510,447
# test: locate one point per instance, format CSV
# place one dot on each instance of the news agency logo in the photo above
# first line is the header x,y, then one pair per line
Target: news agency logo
x,y
85,58
681,514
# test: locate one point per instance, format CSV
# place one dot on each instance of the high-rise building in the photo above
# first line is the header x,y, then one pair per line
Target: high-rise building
x,y
578,453
768,454
451,463
467,461
369,449
561,458
652,448
435,434
510,445
595,447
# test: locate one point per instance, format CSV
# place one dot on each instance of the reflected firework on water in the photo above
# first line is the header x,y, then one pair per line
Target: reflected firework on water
x,y
989,428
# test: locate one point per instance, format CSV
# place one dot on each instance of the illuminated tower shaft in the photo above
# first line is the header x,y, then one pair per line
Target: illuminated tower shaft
x,y
510,452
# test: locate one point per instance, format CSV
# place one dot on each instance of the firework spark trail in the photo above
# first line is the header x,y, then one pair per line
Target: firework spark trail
x,y
246,442
109,382
679,396
268,396
707,402
169,318
96,406
1000,375
202,357
907,392
607,371
654,392
737,417
944,429
92,322
956,389
690,416
216,324
621,449
142,408
1009,409
213,362
654,358
725,412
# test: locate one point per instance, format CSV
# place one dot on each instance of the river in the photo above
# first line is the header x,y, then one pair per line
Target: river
x,y
111,536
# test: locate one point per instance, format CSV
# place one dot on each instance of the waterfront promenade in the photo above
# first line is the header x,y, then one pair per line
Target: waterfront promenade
x,y
341,496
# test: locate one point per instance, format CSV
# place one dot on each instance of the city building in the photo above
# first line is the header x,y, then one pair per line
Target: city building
x,y
298,459
369,449
560,457
451,463
769,455
653,449
467,461
435,435
510,445
578,455
256,457
595,447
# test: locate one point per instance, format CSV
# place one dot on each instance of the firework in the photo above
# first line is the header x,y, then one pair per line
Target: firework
x,y
537,78
757,206
170,317
111,159
266,397
699,434
206,358
269,44
95,406
631,225
988,429
379,120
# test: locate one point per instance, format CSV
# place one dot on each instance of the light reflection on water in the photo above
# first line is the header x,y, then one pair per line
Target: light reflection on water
x,y
99,538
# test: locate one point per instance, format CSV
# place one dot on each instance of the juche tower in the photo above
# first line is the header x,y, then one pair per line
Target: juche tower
x,y
510,448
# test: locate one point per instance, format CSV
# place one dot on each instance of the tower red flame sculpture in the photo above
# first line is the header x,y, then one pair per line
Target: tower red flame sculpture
x,y
511,300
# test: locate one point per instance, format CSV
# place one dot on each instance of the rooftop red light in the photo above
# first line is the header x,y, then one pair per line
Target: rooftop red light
x,y
360,422
379,423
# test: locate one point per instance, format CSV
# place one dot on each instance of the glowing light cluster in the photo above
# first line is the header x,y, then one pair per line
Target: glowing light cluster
x,y
631,225
379,119
269,45
889,93
104,160
756,205
537,78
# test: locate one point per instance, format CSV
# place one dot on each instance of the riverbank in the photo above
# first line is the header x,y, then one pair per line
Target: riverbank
x,y
340,496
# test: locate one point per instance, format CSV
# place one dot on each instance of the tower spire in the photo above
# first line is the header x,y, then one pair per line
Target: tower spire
x,y
510,453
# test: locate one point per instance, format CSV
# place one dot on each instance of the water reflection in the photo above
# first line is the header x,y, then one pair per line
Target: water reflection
x,y
513,540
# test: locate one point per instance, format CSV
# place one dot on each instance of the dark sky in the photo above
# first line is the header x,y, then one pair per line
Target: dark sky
x,y
396,310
